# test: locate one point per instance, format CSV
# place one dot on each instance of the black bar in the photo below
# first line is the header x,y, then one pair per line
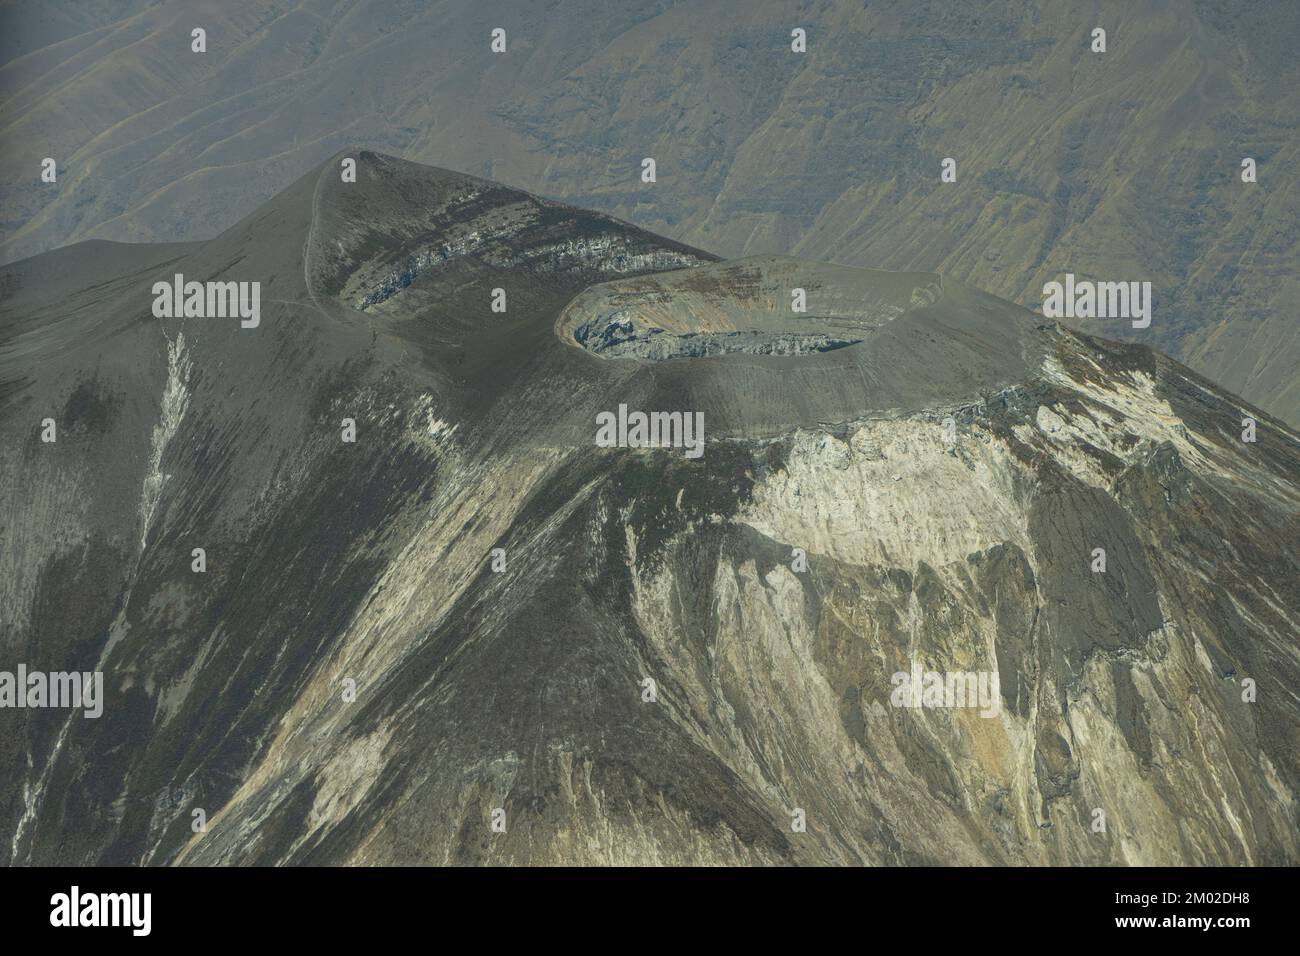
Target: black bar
x,y
947,906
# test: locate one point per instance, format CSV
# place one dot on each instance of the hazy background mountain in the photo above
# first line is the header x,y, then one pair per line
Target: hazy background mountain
x,y
1123,165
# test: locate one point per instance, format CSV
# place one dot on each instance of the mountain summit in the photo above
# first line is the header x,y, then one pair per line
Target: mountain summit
x,y
947,583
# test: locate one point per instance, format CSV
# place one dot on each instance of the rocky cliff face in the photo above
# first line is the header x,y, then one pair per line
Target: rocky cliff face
x,y
474,636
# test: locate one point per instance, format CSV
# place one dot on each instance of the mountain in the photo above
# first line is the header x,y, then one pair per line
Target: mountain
x,y
636,655
1122,165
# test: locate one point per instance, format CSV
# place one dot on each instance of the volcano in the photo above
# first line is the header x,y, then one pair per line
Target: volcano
x,y
365,589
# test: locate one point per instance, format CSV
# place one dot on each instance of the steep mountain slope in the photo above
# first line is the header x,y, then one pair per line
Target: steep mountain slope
x,y
1122,165
946,465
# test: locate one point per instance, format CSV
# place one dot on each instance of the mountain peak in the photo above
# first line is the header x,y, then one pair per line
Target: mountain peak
x,y
435,469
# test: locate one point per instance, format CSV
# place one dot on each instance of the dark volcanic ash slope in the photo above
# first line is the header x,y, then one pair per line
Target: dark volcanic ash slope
x,y
947,462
